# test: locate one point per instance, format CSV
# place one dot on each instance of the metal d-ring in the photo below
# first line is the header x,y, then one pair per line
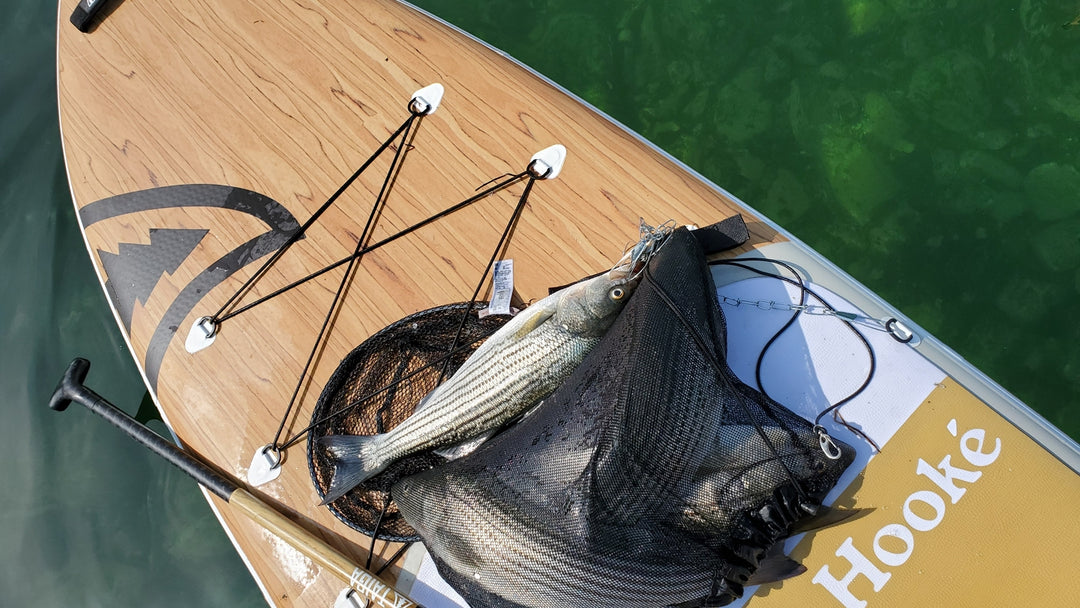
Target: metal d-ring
x,y
278,456
899,331
534,169
208,326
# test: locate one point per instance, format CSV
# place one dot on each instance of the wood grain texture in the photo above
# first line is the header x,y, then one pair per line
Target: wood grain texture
x,y
380,595
288,99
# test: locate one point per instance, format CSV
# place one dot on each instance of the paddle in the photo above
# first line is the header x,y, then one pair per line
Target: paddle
x,y
71,388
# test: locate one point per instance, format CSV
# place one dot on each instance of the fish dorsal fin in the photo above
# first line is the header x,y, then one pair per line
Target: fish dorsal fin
x,y
522,324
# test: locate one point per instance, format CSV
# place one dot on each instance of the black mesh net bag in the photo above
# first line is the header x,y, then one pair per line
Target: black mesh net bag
x,y
651,477
374,389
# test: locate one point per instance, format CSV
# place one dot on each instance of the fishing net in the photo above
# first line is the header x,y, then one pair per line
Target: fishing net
x,y
374,389
651,477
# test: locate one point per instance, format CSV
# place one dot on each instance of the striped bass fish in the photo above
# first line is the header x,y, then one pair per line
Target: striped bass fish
x,y
743,470
486,543
508,559
513,370
652,477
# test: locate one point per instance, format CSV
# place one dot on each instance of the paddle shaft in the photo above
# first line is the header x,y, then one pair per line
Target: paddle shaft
x,y
71,388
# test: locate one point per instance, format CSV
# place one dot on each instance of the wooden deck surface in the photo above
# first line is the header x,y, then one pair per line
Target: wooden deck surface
x,y
287,100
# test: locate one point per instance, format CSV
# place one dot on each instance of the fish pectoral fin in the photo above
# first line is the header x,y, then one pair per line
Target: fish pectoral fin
x,y
458,450
536,315
827,517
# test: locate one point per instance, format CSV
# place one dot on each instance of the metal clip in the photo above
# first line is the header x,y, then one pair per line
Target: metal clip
x,y
828,446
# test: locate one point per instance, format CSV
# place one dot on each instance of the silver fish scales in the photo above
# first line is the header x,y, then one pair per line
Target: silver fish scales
x,y
651,477
525,561
520,364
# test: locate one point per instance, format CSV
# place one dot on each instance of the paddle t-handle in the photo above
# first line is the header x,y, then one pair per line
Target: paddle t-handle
x,y
71,388
70,384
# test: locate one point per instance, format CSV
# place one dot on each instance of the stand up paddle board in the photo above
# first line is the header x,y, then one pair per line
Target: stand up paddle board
x,y
263,187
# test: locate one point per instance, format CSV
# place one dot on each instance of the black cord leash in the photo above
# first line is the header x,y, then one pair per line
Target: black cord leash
x,y
721,373
804,291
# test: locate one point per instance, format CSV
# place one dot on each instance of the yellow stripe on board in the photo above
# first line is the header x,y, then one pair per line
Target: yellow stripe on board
x,y
969,511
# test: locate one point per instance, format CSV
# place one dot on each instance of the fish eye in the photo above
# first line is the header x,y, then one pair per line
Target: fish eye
x,y
617,293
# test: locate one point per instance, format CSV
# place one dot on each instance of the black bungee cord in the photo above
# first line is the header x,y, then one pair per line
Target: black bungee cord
x,y
505,182
216,319
406,134
531,173
455,346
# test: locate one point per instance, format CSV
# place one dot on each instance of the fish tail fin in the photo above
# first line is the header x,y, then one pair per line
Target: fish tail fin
x,y
355,461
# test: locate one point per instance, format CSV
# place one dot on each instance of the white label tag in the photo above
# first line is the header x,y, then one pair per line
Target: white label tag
x,y
502,288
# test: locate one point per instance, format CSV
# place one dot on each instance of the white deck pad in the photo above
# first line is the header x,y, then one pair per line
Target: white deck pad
x,y
431,591
818,361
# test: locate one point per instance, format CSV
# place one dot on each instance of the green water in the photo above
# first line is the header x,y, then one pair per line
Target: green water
x,y
930,148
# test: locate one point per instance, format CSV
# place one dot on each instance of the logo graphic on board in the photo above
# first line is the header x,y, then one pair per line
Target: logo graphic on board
x,y
134,270
138,267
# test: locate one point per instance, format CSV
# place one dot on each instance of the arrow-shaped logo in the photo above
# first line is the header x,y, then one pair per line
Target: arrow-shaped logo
x,y
135,269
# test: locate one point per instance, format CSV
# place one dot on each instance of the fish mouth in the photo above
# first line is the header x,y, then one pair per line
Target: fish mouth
x,y
636,257
622,275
